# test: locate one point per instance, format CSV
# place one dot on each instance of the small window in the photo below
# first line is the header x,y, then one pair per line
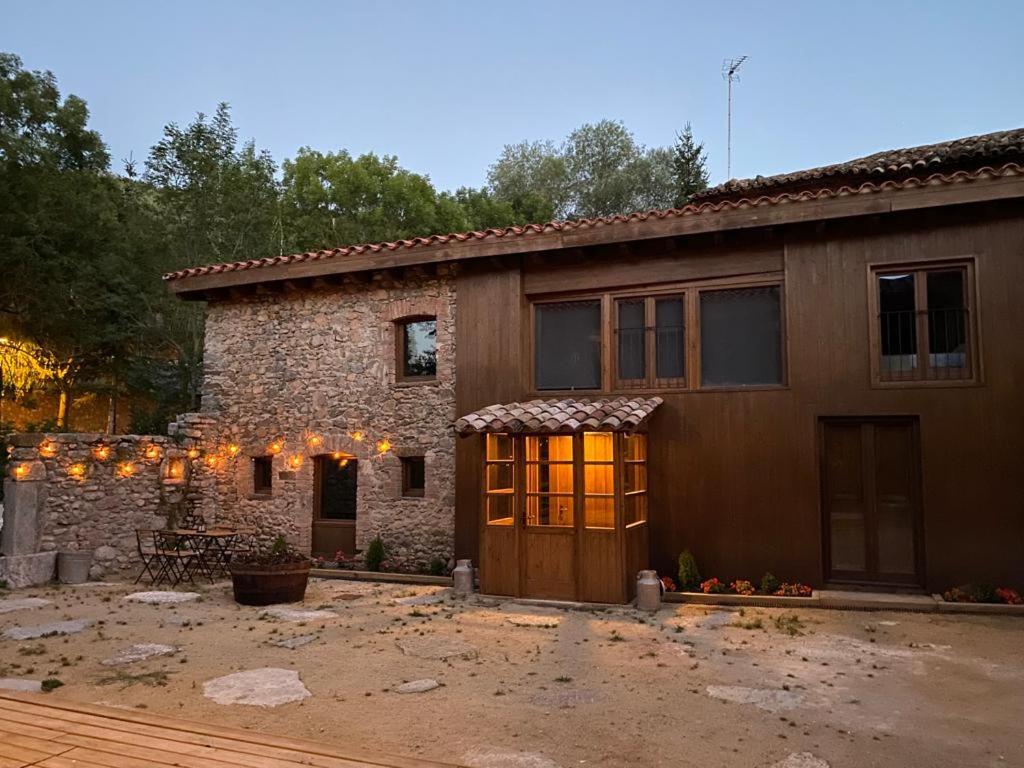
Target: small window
x,y
417,348
567,345
262,474
924,327
651,342
634,485
741,337
413,475
500,480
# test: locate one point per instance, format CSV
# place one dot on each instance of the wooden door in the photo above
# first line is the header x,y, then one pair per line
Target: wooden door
x,y
548,554
334,506
871,501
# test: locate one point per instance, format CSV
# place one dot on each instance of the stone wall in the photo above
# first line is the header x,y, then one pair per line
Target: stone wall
x,y
310,372
78,492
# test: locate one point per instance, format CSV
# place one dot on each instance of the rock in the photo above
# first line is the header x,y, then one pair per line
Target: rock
x,y
800,760
21,684
432,647
418,686
529,620
162,598
295,642
285,613
768,699
10,604
105,553
485,757
140,652
28,570
265,687
43,630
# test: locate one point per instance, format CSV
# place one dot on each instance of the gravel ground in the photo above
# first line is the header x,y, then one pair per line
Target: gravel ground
x,y
527,687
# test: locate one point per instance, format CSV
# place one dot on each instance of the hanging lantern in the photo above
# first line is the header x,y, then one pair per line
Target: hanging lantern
x,y
358,436
151,453
275,447
383,446
76,471
314,441
126,469
101,452
295,461
47,449
233,450
212,460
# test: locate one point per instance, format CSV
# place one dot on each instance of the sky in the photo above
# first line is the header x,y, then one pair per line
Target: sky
x,y
444,85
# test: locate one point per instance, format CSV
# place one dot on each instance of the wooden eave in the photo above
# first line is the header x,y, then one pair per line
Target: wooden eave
x,y
760,213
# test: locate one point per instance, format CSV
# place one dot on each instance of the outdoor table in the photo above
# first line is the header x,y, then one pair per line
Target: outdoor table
x,y
212,548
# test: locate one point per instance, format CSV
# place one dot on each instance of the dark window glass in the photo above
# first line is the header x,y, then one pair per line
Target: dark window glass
x,y
337,488
262,474
669,338
568,345
947,319
897,322
631,337
741,337
413,475
419,348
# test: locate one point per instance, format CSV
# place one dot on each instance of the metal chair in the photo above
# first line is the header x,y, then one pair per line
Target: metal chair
x,y
147,553
175,559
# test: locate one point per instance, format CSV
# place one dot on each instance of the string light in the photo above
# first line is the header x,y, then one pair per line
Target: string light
x,y
101,452
126,469
21,471
76,471
175,469
383,446
152,452
233,450
275,447
212,460
358,436
47,449
295,460
193,453
343,463
314,441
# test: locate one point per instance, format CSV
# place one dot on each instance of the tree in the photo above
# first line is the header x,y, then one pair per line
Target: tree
x,y
689,165
531,178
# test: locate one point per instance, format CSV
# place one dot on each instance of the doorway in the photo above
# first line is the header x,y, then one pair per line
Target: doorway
x,y
334,505
870,478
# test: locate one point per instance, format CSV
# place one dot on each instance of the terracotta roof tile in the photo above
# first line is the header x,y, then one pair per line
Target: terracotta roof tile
x,y
620,414
964,160
967,153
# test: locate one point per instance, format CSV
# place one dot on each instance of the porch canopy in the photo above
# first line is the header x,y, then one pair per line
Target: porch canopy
x,y
563,496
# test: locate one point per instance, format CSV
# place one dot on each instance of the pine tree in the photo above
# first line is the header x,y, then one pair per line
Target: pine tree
x,y
689,163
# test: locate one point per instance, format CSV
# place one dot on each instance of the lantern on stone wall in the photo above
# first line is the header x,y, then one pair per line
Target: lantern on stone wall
x,y
358,436
193,453
76,471
101,452
151,453
126,469
295,461
21,471
275,447
383,446
314,441
47,449
233,450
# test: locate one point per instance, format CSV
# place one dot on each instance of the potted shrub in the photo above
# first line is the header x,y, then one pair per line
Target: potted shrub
x,y
277,575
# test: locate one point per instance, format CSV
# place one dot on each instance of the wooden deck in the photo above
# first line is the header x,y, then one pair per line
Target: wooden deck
x,y
37,730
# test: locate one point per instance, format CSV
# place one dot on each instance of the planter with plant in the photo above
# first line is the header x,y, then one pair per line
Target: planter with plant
x,y
266,577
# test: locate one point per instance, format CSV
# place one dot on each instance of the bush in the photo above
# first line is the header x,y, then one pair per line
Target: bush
x,y
769,584
437,566
972,593
713,587
375,554
689,576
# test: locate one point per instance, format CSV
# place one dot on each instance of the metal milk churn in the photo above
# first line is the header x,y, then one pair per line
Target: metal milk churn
x,y
462,577
648,591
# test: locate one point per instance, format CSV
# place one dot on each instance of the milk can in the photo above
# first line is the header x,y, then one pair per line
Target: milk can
x,y
648,591
462,577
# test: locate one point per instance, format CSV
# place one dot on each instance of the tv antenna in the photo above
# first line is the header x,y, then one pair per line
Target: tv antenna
x,y
730,72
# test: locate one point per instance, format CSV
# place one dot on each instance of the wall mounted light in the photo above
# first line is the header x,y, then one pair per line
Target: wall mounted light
x,y
275,447
126,469
21,471
101,452
314,441
358,436
233,450
212,460
152,452
383,446
295,461
76,471
47,449
193,453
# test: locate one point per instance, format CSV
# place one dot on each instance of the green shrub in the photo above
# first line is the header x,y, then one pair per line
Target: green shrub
x,y
689,576
437,567
375,554
769,584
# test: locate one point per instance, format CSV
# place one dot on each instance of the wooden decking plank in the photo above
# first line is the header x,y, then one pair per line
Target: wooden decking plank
x,y
64,762
20,739
181,741
105,731
23,754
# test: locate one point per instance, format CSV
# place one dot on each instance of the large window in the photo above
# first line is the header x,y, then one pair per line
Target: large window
x,y
740,337
567,345
549,488
417,348
650,338
924,328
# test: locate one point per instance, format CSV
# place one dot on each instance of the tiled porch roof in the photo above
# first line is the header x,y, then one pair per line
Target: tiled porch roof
x,y
620,414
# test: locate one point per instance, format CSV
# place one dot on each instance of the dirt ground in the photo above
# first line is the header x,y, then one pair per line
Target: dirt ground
x,y
540,687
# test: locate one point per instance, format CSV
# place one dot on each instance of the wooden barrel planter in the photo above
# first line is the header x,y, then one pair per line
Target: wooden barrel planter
x,y
269,584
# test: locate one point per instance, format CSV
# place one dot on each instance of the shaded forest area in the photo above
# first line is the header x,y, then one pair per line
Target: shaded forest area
x,y
89,337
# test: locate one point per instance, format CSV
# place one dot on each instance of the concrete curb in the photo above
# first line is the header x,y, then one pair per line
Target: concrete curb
x,y
386,578
748,601
848,601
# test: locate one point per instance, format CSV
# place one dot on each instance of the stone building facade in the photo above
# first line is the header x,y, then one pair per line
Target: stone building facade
x,y
296,375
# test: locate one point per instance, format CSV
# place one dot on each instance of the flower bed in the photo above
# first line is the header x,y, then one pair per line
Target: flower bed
x,y
980,593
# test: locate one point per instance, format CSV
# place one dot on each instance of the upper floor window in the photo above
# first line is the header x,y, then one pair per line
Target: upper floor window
x,y
567,345
741,337
417,348
924,330
650,338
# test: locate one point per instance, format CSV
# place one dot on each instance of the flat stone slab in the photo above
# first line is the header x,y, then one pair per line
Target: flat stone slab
x,y
544,621
11,604
21,684
768,699
140,652
162,598
264,687
431,598
800,760
485,757
418,686
28,570
44,630
285,613
431,647
295,642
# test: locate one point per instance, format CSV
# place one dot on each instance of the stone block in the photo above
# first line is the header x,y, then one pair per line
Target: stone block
x,y
21,532
28,570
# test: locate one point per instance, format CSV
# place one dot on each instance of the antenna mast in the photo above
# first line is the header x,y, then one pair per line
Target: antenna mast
x,y
730,70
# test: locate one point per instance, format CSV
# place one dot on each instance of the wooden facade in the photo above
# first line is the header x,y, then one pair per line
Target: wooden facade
x,y
736,473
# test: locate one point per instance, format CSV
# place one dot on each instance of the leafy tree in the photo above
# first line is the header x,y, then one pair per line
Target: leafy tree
x,y
482,210
689,164
532,178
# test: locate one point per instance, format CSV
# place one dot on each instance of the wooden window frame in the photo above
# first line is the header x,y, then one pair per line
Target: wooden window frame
x,y
650,336
689,291
513,493
919,376
400,349
408,491
258,488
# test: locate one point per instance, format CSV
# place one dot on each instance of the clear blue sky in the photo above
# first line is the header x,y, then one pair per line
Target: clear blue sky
x,y
444,85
